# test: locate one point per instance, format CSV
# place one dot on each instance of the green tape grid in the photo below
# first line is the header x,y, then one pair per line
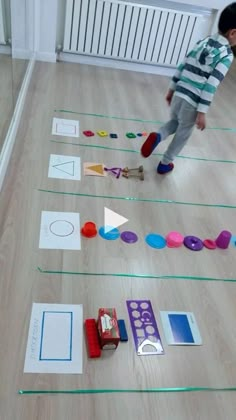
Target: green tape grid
x,y
88,114
116,391
137,276
136,199
96,146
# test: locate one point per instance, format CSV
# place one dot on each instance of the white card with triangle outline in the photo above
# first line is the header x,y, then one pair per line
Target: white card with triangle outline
x,y
94,169
66,128
64,167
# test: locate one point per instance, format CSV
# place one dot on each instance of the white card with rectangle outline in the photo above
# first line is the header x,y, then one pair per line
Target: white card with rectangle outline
x,y
60,230
64,167
66,128
55,339
180,328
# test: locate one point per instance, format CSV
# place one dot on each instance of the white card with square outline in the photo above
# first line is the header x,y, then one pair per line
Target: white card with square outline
x,y
64,167
60,230
66,128
55,339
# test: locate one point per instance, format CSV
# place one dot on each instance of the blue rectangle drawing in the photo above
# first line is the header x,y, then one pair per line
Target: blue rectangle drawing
x,y
56,336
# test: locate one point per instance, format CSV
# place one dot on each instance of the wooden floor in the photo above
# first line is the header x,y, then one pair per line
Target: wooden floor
x,y
131,95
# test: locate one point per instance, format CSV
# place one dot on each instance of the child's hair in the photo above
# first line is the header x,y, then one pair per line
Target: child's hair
x,y
227,19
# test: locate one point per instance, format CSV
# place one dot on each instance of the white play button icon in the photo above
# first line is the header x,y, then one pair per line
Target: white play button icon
x,y
112,220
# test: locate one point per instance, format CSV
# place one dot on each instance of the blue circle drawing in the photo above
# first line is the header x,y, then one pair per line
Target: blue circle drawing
x,y
109,233
155,241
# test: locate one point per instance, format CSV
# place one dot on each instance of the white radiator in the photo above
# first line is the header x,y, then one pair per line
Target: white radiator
x,y
129,31
2,24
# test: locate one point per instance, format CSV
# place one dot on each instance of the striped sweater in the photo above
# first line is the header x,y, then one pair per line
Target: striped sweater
x,y
202,70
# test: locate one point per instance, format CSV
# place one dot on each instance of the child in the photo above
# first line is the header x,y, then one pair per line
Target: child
x,y
193,87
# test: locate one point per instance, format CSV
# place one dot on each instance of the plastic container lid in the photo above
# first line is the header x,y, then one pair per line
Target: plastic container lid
x,y
155,241
209,244
89,230
129,237
223,239
233,240
109,235
174,239
193,243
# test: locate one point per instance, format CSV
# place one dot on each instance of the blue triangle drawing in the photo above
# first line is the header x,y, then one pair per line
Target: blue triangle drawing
x,y
69,169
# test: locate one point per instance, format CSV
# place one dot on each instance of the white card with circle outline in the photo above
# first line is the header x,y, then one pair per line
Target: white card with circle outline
x,y
60,230
64,127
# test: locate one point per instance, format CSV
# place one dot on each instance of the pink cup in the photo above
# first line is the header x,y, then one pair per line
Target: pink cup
x,y
174,240
223,239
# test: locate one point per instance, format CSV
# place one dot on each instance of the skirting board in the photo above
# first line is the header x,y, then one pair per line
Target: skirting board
x,y
21,54
116,64
46,57
39,55
5,49
14,124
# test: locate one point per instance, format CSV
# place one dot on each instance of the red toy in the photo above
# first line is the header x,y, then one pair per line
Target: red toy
x,y
88,133
94,349
108,328
89,230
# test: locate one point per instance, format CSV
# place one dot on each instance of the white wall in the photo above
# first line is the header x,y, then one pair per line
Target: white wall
x,y
22,23
173,4
34,28
216,5
211,4
46,29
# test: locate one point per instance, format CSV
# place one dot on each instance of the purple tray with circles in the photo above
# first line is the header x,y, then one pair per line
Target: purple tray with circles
x,y
145,332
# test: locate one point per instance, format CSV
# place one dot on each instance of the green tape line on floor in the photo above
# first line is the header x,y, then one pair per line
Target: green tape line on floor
x,y
136,199
128,391
96,146
136,276
113,117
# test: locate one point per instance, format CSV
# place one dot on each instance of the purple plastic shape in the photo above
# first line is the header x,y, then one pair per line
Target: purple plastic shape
x,y
129,237
223,239
193,243
144,327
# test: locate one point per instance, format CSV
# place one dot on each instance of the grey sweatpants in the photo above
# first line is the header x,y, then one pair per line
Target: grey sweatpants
x,y
183,117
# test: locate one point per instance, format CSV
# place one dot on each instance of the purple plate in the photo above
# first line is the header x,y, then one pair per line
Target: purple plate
x,y
193,243
129,237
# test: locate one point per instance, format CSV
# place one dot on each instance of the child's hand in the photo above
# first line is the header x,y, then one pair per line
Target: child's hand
x,y
201,121
169,96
